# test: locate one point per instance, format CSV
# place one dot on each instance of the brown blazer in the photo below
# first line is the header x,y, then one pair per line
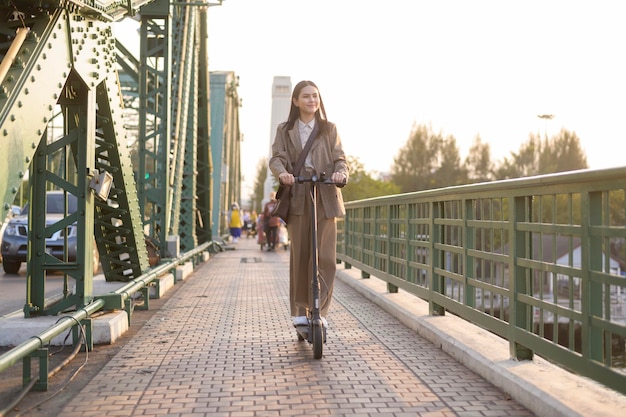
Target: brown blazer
x,y
326,156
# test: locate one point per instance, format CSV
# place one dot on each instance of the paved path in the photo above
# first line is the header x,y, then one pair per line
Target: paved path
x,y
223,345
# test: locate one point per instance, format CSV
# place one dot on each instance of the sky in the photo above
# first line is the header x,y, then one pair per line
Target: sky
x,y
483,68
464,68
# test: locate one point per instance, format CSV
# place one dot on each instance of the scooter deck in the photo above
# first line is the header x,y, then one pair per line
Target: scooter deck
x,y
304,333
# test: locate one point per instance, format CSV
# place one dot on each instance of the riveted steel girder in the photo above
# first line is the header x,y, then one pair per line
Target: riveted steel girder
x,y
67,61
118,226
183,54
65,163
154,121
172,41
204,161
188,211
184,106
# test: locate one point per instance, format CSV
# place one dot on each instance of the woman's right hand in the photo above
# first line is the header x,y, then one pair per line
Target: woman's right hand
x,y
286,178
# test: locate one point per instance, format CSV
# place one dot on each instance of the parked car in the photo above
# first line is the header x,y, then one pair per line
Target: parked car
x,y
15,211
15,236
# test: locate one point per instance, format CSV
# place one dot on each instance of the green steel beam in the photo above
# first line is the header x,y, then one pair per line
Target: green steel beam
x,y
188,208
204,163
183,49
128,75
83,62
80,78
118,225
67,78
76,153
154,121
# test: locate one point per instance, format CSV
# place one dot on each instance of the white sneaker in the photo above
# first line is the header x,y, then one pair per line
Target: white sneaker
x,y
324,323
300,321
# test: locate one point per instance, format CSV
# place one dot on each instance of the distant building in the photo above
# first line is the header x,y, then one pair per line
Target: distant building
x,y
281,102
225,147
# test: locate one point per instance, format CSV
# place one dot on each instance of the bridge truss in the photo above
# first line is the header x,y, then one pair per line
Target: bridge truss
x,y
66,88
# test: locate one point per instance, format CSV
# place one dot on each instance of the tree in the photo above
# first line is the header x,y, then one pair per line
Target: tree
x,y
527,160
416,162
257,196
524,163
450,171
506,169
427,161
562,153
478,163
535,157
361,184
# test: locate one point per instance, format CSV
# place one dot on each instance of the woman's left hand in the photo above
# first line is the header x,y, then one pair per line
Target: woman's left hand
x,y
286,178
338,177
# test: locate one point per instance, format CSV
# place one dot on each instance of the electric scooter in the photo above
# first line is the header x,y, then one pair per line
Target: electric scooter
x,y
315,331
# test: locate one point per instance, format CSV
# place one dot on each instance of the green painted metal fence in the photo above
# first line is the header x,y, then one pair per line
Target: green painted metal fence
x,y
538,261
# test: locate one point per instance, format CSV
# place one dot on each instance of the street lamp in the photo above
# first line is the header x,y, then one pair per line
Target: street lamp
x,y
546,117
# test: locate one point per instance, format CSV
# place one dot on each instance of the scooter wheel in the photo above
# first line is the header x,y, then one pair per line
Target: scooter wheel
x,y
318,341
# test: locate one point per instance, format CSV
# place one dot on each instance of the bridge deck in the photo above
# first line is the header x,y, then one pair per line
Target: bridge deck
x,y
223,345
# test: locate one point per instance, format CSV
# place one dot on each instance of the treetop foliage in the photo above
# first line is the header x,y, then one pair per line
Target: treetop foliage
x,y
429,160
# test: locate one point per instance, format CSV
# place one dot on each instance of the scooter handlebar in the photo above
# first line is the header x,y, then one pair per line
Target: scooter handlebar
x,y
320,180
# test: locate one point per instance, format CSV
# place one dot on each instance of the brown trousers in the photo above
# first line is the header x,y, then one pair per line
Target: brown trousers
x,y
301,259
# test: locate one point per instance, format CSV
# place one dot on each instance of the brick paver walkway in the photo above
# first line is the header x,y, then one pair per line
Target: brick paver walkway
x,y
223,345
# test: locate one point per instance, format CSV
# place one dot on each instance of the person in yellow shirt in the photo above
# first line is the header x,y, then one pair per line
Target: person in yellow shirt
x,y
235,222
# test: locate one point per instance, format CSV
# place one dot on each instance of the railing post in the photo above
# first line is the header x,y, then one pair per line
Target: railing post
x,y
591,260
519,283
436,282
469,237
42,382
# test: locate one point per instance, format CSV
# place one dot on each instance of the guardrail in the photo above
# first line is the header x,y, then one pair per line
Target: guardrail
x,y
114,300
538,261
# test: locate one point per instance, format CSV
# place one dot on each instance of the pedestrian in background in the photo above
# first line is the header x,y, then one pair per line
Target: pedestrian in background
x,y
246,223
253,220
235,222
271,222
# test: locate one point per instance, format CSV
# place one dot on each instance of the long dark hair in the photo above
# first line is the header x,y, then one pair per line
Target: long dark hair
x,y
294,112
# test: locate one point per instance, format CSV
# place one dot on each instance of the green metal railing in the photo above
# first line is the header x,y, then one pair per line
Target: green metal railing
x,y
538,261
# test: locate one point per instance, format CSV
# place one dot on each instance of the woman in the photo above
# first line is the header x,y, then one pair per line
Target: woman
x,y
325,156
